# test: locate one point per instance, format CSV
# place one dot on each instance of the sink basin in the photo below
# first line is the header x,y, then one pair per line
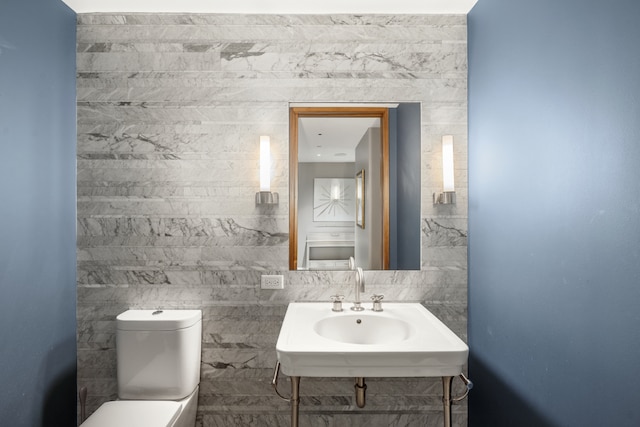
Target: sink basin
x,y
363,329
404,340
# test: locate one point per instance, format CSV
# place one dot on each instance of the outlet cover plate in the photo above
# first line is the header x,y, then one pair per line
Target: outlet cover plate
x,y
272,281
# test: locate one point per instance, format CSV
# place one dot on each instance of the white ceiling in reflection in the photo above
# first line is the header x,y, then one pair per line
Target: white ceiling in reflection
x,y
331,139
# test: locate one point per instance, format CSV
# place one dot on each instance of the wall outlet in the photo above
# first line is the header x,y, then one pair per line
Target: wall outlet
x,y
274,281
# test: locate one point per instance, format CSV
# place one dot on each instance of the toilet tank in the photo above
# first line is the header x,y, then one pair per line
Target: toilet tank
x,y
158,353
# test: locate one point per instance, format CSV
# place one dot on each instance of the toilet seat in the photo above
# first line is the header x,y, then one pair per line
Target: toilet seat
x,y
135,413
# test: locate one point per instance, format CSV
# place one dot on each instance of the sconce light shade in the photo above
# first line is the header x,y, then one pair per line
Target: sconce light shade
x,y
265,196
335,192
448,196
447,163
265,163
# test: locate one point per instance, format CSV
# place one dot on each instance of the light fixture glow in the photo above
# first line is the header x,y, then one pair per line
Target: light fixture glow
x,y
448,195
265,196
265,163
447,163
335,191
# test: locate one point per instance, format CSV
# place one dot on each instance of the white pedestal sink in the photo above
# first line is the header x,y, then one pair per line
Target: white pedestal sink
x,y
403,340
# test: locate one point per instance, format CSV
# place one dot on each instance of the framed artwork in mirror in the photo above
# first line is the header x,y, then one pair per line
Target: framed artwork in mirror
x,y
360,199
333,199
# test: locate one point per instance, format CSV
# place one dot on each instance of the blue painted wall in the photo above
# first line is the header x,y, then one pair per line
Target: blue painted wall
x,y
407,188
393,192
404,186
37,214
554,213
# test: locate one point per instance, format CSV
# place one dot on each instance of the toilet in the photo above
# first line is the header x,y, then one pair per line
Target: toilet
x,y
158,354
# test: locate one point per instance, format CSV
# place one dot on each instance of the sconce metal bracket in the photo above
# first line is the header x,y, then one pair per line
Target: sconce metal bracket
x,y
267,198
444,198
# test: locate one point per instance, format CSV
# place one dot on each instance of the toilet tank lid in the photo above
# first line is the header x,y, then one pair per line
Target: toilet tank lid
x,y
157,320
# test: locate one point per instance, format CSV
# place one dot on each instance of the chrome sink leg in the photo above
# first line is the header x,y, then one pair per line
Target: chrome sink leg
x,y
295,400
361,388
446,399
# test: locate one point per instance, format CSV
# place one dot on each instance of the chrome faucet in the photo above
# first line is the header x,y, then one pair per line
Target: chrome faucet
x,y
359,288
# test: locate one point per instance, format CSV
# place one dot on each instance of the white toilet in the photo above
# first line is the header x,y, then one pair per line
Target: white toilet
x,y
158,354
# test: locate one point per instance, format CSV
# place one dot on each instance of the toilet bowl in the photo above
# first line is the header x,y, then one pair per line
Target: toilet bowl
x,y
158,353
146,413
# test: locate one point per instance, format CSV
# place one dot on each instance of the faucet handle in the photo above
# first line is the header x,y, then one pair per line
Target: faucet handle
x,y
337,302
377,302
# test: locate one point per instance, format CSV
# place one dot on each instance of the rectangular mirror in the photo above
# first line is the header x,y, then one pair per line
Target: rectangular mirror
x,y
355,186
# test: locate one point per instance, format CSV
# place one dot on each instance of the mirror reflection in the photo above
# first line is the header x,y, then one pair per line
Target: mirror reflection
x,y
355,187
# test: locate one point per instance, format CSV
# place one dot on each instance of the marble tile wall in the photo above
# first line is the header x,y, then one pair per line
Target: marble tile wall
x,y
170,109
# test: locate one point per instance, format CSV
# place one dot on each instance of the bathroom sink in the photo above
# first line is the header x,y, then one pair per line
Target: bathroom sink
x,y
403,340
363,329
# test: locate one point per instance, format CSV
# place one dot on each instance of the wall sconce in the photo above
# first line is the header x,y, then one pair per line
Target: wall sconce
x,y
265,196
336,194
448,195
